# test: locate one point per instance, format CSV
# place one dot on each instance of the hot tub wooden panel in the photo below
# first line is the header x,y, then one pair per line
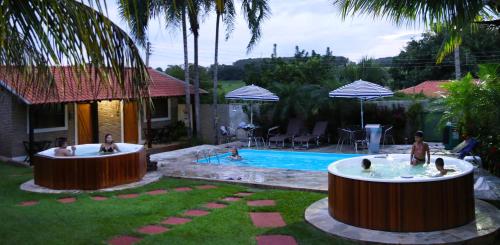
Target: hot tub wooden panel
x,y
402,207
89,173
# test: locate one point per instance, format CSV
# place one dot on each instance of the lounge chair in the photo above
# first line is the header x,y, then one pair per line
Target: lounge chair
x,y
293,129
318,132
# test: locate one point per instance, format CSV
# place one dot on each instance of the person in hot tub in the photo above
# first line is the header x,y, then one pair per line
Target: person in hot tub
x,y
440,167
62,148
108,146
366,164
235,155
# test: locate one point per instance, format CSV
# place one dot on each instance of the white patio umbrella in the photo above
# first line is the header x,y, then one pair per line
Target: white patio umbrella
x,y
251,93
361,90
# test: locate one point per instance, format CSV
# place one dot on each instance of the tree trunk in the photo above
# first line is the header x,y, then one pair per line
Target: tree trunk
x,y
216,64
186,74
457,63
196,87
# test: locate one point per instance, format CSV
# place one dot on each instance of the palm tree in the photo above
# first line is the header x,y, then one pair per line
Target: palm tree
x,y
452,16
42,34
195,6
138,14
254,11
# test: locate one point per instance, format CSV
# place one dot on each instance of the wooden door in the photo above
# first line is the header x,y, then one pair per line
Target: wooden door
x,y
130,125
85,129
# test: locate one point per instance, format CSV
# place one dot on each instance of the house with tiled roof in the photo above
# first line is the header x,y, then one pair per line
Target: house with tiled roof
x,y
430,88
80,108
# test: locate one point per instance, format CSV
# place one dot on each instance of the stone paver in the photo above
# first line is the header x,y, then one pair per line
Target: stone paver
x,y
152,229
128,196
231,199
244,194
206,187
124,240
267,219
182,189
196,213
175,221
156,192
214,205
66,200
28,203
99,198
261,203
275,240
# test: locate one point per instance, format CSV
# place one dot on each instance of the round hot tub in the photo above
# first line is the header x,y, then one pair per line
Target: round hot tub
x,y
395,196
89,169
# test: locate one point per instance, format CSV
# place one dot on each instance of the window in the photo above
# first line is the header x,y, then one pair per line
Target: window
x,y
161,109
48,118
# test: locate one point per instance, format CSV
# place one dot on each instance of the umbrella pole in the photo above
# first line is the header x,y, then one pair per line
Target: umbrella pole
x,y
362,122
251,114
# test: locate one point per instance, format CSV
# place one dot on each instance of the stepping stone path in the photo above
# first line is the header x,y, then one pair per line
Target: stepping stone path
x,y
267,219
206,187
175,221
261,203
152,229
124,240
182,189
128,196
66,200
275,240
231,199
99,198
28,203
244,194
196,213
156,192
214,205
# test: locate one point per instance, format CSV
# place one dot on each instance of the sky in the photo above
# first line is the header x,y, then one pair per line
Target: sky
x,y
310,24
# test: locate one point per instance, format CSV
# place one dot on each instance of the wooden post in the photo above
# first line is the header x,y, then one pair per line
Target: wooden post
x,y
31,133
148,124
95,121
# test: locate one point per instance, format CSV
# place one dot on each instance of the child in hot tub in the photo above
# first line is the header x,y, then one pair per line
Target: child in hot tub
x,y
366,164
440,167
62,148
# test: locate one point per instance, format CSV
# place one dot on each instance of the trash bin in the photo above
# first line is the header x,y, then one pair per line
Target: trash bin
x,y
451,137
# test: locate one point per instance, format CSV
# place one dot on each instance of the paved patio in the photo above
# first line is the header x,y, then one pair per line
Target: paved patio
x,y
181,164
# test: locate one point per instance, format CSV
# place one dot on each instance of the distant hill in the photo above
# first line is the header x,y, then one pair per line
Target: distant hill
x,y
339,61
385,61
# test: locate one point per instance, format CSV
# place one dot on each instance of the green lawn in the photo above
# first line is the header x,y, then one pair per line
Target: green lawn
x,y
230,85
90,222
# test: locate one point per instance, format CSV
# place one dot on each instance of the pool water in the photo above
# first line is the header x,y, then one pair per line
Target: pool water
x,y
310,161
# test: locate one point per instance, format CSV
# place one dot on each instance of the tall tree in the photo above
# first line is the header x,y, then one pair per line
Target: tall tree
x,y
36,33
452,16
255,12
139,13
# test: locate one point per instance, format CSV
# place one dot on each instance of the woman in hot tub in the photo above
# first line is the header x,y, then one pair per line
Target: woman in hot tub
x,y
62,148
108,146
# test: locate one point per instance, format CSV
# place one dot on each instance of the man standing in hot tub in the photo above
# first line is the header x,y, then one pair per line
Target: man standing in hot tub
x,y
419,150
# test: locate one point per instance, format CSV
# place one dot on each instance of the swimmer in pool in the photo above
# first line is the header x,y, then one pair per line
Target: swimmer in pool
x,y
108,146
62,148
440,167
366,164
235,155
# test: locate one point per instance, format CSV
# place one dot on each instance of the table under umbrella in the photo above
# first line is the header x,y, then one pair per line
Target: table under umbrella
x,y
363,91
251,93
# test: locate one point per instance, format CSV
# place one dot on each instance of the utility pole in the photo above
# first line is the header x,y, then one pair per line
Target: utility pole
x,y
148,52
457,62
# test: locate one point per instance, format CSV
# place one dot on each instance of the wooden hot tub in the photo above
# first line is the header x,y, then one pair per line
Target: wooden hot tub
x,y
89,170
401,204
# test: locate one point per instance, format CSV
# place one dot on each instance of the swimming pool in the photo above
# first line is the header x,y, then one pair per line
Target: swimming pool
x,y
309,161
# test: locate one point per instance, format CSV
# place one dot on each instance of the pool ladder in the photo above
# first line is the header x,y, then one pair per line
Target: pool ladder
x,y
207,154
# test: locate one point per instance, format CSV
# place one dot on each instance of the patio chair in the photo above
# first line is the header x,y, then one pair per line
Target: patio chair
x,y
387,134
37,146
360,140
345,135
319,131
293,129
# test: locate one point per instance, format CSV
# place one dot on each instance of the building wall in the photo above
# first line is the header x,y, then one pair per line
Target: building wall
x,y
160,124
109,114
206,121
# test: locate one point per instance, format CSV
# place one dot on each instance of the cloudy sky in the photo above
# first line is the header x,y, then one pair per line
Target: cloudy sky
x,y
310,24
